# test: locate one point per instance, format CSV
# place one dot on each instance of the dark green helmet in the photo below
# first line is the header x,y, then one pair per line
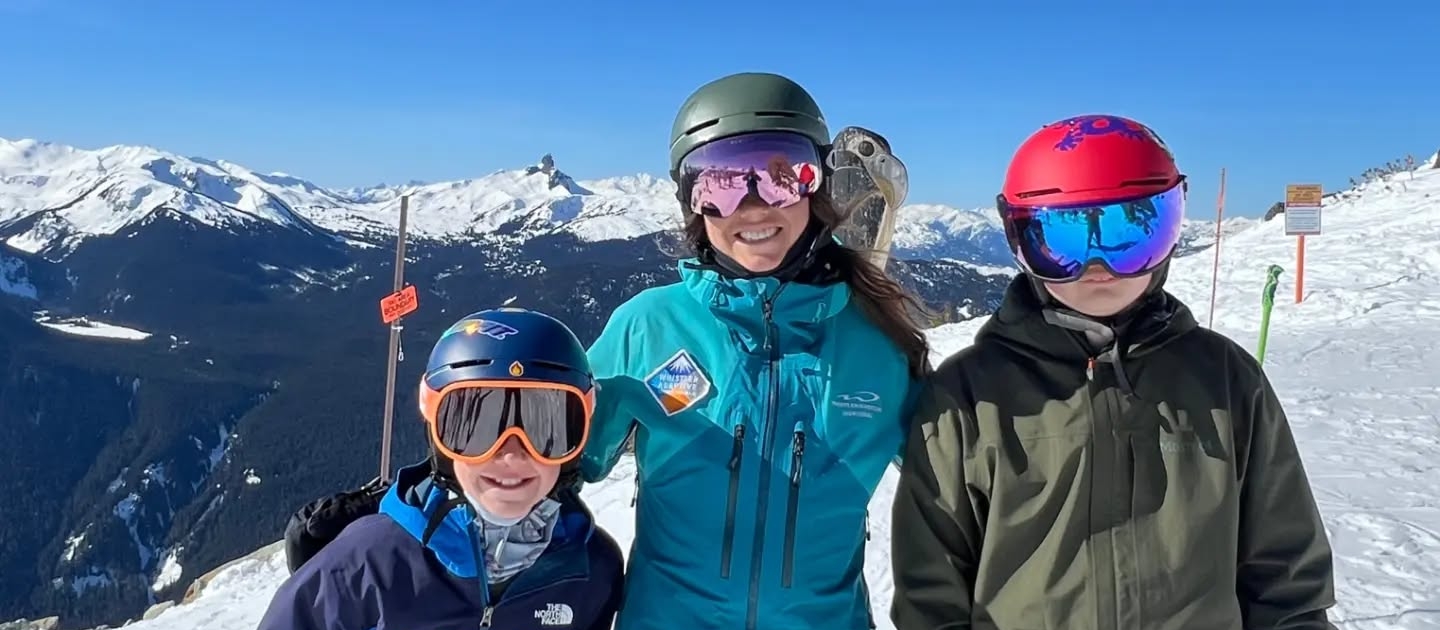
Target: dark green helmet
x,y
741,103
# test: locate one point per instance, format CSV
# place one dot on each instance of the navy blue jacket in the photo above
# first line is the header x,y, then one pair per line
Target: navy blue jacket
x,y
376,574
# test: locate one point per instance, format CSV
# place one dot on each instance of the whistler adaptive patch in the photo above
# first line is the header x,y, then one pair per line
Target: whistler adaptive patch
x,y
678,383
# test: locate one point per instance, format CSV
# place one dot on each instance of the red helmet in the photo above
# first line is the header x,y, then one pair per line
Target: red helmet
x,y
1086,160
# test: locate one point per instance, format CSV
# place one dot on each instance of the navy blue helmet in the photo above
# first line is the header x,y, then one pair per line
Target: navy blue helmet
x,y
508,344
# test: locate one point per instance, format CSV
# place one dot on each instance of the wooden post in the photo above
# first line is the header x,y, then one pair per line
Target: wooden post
x,y
1299,268
1215,276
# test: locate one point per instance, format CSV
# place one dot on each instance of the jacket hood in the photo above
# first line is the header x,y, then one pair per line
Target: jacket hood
x,y
1046,330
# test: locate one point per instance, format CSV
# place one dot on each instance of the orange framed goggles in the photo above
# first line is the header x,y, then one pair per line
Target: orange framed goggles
x,y
469,421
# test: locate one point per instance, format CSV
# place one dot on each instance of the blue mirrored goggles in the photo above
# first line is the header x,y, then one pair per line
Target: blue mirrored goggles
x,y
1129,238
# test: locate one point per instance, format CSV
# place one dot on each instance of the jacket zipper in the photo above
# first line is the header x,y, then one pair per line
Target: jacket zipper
x,y
511,594
477,547
635,494
727,546
1104,433
767,444
797,456
487,613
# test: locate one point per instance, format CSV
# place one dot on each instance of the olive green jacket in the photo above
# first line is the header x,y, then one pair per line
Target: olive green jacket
x,y
1046,485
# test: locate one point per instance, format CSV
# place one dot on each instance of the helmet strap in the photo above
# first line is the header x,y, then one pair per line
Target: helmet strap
x,y
443,477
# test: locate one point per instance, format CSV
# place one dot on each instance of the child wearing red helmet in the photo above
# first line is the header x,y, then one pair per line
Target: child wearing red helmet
x,y
1096,459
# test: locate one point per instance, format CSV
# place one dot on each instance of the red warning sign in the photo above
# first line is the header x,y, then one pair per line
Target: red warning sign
x,y
398,304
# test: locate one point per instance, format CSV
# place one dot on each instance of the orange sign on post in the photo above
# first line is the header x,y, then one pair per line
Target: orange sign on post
x,y
1302,218
398,304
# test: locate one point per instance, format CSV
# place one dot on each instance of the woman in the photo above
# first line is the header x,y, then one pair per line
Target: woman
x,y
489,533
767,389
1097,459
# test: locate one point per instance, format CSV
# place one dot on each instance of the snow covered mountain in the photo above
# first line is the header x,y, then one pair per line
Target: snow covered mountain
x,y
1356,364
54,196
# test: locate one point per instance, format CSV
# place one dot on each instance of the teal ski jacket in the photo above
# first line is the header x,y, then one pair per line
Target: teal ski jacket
x,y
764,415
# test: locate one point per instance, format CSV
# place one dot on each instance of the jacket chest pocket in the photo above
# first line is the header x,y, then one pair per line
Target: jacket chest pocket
x,y
807,417
820,492
1180,435
803,451
1185,493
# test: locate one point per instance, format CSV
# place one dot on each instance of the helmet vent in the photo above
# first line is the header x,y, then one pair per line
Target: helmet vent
x,y
699,127
471,363
559,367
1037,193
1149,181
774,114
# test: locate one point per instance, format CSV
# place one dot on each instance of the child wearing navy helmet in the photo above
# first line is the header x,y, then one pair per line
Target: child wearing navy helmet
x,y
490,531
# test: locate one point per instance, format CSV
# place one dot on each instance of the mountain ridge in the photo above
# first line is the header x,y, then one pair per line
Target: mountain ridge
x,y
54,195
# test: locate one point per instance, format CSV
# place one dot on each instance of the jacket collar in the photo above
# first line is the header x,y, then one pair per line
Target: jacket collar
x,y
414,497
800,311
1044,328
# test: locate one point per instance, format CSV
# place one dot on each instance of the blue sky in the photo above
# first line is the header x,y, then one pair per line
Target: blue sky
x,y
363,92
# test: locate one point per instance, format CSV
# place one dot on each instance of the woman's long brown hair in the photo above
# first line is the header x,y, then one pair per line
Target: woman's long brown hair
x,y
880,298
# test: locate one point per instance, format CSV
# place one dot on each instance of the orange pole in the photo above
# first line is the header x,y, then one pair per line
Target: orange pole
x,y
1300,269
1215,276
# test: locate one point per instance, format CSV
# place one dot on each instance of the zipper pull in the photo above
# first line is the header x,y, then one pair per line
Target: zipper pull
x,y
485,617
738,449
635,496
798,453
769,310
1090,369
867,524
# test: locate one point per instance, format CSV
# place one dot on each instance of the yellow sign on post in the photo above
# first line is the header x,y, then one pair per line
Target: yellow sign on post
x,y
1303,195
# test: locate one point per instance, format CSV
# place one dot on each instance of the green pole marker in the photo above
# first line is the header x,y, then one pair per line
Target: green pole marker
x,y
1267,302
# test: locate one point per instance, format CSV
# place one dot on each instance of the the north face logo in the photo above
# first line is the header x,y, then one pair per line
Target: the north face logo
x,y
555,615
678,383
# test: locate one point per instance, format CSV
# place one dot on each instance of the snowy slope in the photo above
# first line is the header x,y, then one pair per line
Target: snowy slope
x,y
1199,234
85,327
1357,365
53,196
